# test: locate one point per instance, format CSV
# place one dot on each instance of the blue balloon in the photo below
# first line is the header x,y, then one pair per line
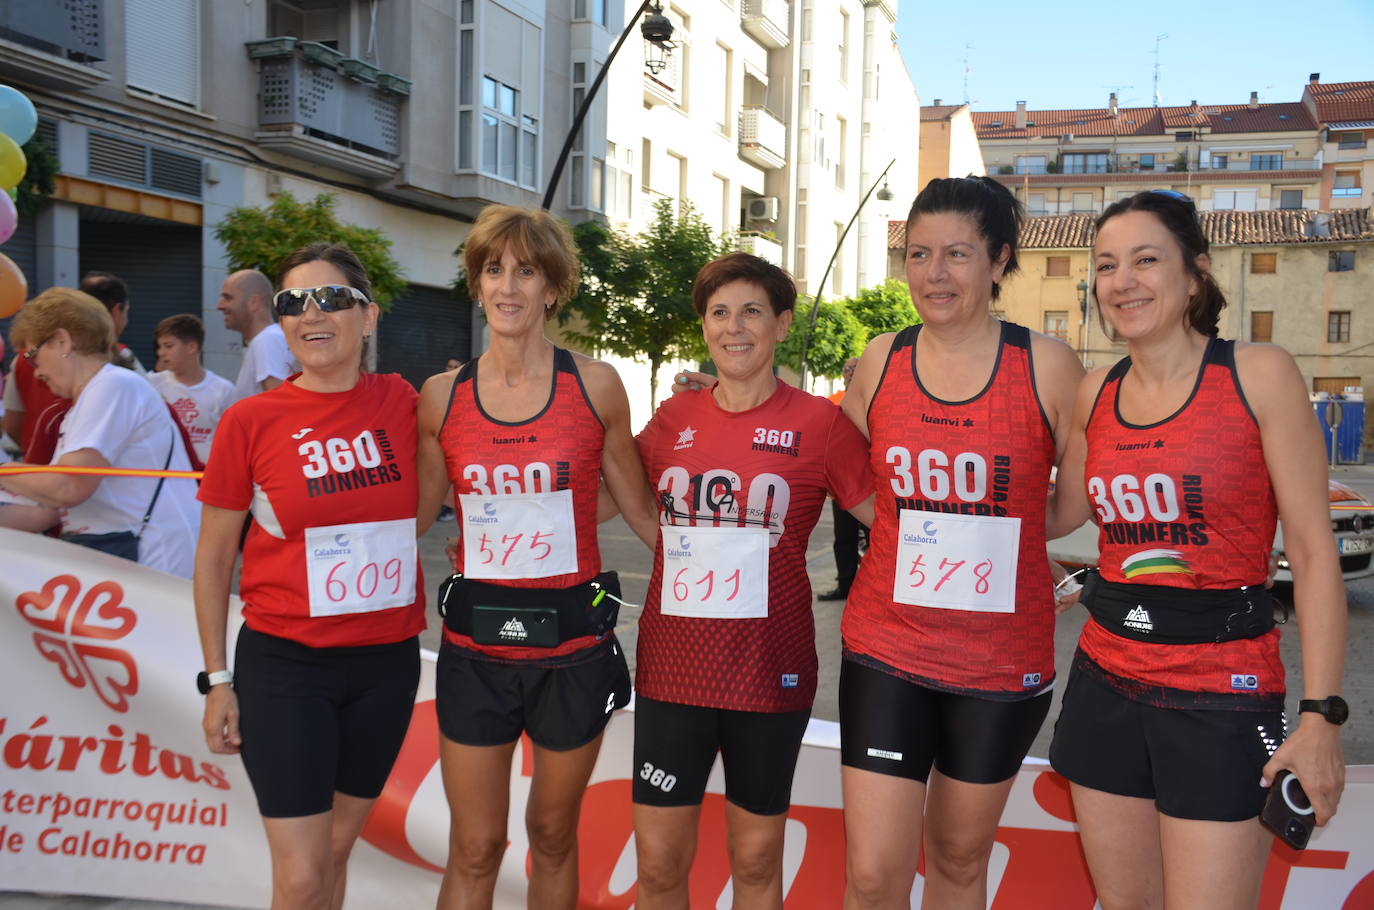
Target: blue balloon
x,y
18,119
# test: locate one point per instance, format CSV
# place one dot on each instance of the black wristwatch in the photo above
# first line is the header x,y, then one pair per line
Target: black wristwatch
x,y
206,681
1334,709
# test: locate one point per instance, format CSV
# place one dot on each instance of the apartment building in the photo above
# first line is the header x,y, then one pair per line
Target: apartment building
x,y
1344,112
949,142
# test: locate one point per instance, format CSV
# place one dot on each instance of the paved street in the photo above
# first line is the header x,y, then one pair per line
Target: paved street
x,y
622,551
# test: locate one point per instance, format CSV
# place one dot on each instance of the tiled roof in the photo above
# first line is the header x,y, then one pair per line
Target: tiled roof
x,y
1146,121
1336,101
1059,232
939,111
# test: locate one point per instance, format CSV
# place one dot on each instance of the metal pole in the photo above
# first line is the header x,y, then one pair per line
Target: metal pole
x,y
587,106
820,288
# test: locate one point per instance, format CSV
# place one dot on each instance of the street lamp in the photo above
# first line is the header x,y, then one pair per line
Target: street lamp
x,y
658,31
1082,318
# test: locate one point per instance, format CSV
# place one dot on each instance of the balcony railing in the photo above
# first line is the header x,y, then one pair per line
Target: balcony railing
x,y
763,246
665,86
766,21
1162,164
1260,163
1346,192
54,43
762,137
309,109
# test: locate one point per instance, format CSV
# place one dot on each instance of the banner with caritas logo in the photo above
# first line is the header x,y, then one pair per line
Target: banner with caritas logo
x,y
106,786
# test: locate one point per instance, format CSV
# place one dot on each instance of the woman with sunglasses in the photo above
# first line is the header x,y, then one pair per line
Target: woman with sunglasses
x,y
523,434
1187,451
949,629
327,659
114,422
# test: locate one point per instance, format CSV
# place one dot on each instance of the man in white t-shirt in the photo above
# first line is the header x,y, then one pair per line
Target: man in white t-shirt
x,y
245,299
197,395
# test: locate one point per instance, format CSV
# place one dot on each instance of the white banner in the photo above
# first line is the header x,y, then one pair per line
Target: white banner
x,y
106,786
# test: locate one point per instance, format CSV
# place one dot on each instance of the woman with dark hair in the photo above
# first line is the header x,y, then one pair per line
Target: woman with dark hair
x,y
327,660
523,434
1188,450
948,632
726,659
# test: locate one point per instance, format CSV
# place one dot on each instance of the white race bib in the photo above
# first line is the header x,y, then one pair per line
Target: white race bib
x,y
362,567
958,562
522,535
715,573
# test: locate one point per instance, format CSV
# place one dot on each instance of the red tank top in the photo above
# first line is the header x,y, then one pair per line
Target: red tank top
x,y
557,449
987,457
1187,503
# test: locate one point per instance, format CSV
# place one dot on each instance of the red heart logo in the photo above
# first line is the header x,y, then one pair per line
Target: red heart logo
x,y
41,608
114,676
116,620
56,650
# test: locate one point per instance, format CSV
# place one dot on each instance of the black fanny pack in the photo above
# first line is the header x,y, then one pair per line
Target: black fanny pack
x,y
123,544
529,617
1178,616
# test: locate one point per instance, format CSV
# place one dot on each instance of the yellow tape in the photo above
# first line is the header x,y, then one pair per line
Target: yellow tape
x,y
21,468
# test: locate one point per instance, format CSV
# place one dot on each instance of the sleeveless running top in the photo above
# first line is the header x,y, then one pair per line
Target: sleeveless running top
x,y
1187,503
988,458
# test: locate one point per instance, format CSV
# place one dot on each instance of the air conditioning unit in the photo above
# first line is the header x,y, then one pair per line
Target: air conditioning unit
x,y
764,208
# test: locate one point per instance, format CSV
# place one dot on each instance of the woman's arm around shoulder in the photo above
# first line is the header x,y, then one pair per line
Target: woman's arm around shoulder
x,y
859,393
1058,372
1295,456
620,465
1068,504
429,455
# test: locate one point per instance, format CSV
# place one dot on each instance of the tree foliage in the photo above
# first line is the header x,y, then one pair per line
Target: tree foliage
x,y
883,308
40,179
262,238
838,337
635,299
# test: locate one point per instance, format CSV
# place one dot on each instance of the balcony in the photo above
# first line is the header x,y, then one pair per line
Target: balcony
x,y
309,109
766,21
762,137
1260,163
1346,192
764,246
54,44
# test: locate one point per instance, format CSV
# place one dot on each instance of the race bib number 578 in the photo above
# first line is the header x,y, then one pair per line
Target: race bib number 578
x,y
958,562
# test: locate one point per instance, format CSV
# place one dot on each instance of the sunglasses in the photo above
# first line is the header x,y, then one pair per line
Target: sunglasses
x,y
329,298
32,353
1177,197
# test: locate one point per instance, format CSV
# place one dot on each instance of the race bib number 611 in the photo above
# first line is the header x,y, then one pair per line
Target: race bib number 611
x,y
958,562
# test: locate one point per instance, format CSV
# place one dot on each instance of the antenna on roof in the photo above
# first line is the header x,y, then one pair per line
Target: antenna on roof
x,y
967,48
1158,38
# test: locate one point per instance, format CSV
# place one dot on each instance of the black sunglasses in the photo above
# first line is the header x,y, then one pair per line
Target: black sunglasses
x,y
329,298
1177,197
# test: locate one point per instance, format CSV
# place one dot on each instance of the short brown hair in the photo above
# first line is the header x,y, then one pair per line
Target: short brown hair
x,y
111,290
533,236
86,320
337,255
717,273
183,327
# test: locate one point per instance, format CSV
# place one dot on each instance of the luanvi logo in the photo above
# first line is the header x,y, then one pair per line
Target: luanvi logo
x,y
77,636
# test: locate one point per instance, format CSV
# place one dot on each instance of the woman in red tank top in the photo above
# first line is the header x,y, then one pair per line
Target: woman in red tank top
x,y
1181,452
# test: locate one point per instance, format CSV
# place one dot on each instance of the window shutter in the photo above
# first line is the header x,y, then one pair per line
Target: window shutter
x,y
162,47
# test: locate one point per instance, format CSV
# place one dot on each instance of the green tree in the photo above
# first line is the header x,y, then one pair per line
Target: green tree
x,y
262,238
635,299
882,308
40,179
839,336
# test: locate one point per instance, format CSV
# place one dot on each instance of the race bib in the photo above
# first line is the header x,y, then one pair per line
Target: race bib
x,y
715,573
362,567
522,535
958,562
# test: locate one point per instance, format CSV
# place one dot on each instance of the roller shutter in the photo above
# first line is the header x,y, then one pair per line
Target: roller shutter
x,y
424,328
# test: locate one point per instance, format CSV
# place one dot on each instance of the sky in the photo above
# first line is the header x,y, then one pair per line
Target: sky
x,y
1072,53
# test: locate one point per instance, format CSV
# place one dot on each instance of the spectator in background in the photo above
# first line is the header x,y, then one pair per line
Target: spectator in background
x,y
114,293
849,531
452,364
29,405
245,299
197,396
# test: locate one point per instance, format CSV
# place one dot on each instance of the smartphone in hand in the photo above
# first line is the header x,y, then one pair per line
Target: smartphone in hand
x,y
1288,812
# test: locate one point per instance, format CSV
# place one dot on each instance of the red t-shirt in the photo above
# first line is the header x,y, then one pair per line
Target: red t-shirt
x,y
1187,503
558,449
771,466
37,397
988,457
331,481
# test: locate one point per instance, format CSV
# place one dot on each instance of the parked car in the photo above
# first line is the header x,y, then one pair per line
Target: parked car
x,y
1352,519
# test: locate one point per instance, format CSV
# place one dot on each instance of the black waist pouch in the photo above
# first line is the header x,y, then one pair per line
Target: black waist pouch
x,y
117,543
529,617
1178,616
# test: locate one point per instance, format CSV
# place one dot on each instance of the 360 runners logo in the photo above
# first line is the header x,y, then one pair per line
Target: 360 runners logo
x,y
70,634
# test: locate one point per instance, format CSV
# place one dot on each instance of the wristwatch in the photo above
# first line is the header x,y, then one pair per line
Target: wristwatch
x,y
204,681
1334,709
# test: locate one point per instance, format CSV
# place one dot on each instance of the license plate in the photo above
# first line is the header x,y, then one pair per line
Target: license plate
x,y
1356,544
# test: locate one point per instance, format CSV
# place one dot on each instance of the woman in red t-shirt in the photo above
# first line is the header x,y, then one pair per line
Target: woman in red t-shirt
x,y
327,660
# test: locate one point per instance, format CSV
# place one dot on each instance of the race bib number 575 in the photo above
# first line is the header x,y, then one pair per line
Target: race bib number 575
x,y
959,562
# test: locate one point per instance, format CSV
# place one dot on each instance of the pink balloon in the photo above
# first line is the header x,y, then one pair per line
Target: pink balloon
x,y
9,217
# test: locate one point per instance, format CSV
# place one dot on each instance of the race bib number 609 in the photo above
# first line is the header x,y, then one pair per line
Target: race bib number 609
x,y
361,567
958,562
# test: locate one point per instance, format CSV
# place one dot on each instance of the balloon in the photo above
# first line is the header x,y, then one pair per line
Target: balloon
x,y
14,289
13,164
9,217
18,119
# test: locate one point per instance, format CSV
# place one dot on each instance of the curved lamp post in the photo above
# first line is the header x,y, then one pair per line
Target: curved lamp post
x,y
658,31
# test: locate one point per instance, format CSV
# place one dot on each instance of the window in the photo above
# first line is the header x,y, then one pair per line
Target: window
x,y
162,48
1085,163
1082,202
1264,263
509,139
1235,200
1340,261
1056,266
1290,199
1184,136
1266,162
724,66
1147,162
596,7
1351,140
1338,326
841,127
1030,164
1347,184
844,46
1035,203
1219,162
837,273
1057,324
1262,327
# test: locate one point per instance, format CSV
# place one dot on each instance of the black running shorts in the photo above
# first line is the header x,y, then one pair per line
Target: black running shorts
x,y
676,745
319,720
